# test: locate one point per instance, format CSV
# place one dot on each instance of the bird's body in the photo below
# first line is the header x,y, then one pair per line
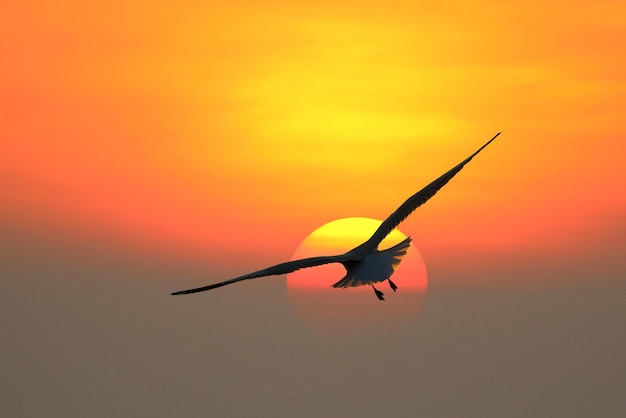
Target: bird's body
x,y
364,264
372,266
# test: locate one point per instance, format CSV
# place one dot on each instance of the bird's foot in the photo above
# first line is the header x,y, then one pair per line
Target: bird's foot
x,y
379,294
393,285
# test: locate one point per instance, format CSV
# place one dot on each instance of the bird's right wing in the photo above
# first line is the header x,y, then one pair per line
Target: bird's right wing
x,y
415,201
278,269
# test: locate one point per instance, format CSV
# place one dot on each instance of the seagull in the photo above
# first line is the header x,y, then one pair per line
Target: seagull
x,y
364,264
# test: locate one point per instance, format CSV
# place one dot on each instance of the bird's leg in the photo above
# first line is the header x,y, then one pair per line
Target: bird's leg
x,y
379,294
393,285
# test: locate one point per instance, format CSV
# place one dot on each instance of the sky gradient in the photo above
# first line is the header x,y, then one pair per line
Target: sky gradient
x,y
147,147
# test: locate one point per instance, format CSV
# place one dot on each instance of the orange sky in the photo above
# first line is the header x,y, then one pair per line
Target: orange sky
x,y
196,128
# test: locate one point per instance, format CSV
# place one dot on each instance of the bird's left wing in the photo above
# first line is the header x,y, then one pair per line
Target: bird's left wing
x,y
278,269
415,201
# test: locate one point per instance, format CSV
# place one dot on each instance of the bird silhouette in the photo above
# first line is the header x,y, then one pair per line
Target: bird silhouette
x,y
364,264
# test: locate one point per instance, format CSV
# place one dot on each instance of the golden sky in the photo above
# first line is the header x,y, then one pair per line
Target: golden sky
x,y
225,127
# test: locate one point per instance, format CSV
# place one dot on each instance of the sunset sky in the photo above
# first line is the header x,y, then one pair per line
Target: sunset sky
x,y
147,147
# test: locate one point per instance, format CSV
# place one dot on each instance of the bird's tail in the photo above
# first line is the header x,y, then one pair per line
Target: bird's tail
x,y
399,250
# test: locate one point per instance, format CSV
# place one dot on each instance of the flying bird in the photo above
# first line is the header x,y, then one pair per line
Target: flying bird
x,y
364,264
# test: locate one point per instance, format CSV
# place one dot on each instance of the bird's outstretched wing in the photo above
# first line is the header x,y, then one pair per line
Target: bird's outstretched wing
x,y
414,202
278,269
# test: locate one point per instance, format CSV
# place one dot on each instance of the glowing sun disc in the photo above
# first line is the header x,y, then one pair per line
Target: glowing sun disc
x,y
354,310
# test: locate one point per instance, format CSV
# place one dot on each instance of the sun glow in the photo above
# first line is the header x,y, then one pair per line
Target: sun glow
x,y
354,310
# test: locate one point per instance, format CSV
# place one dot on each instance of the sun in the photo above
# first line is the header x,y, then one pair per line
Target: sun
x,y
354,310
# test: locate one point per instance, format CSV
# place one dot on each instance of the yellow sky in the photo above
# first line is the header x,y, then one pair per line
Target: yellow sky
x,y
207,127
